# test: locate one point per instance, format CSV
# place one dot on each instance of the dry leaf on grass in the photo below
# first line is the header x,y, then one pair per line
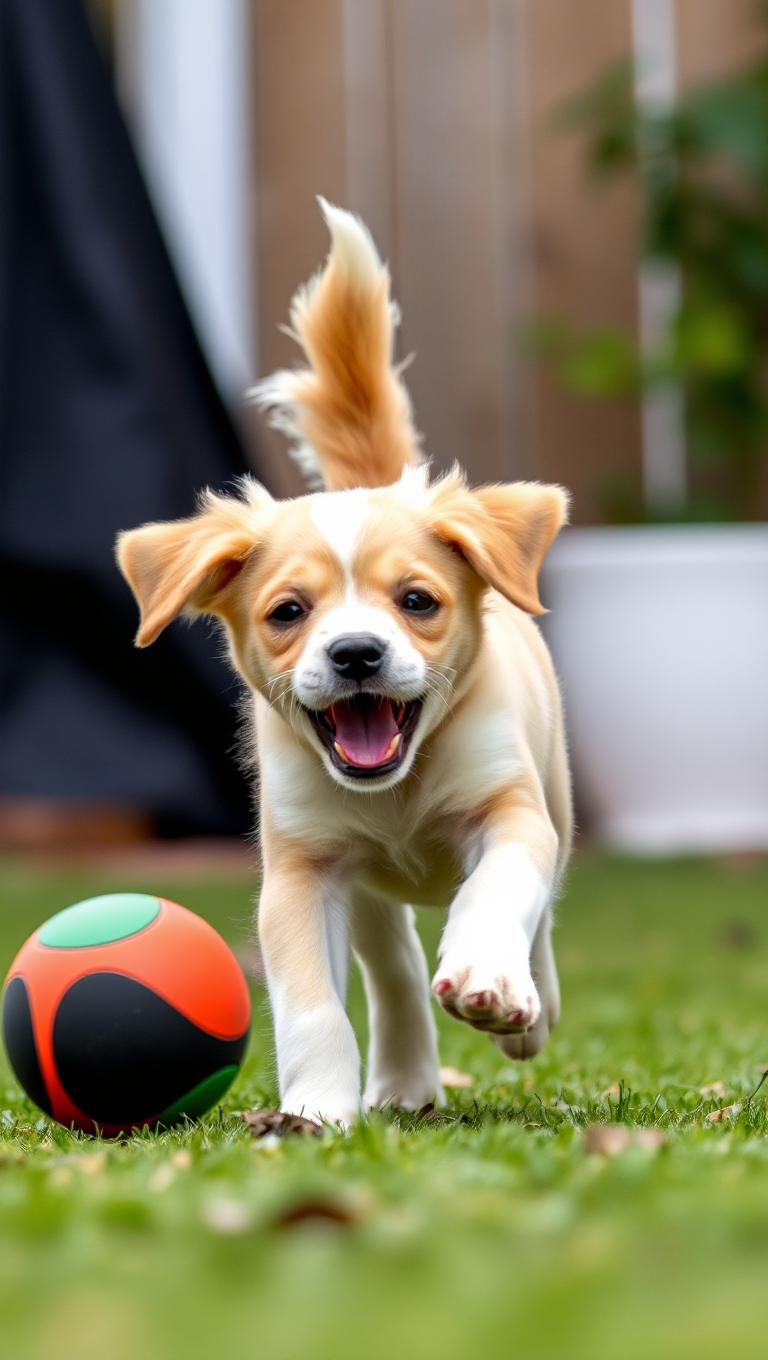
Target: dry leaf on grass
x,y
607,1139
162,1179
93,1163
649,1138
739,935
228,1217
719,1116
452,1077
262,1122
611,1092
610,1139
314,1210
61,1176
716,1089
429,1115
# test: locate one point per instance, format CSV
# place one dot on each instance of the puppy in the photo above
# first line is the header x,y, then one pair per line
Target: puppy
x,y
408,726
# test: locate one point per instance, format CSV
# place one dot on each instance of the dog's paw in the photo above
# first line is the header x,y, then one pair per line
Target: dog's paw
x,y
487,998
403,1090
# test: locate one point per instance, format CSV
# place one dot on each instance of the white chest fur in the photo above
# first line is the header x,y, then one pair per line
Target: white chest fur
x,y
411,838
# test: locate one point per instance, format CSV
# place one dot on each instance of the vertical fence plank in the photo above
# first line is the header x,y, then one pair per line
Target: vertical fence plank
x,y
300,151
585,243
444,227
715,36
369,115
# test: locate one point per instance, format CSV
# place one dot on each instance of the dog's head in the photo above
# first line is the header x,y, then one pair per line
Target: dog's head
x,y
356,612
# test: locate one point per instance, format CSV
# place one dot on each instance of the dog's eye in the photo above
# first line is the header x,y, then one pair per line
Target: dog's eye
x,y
419,602
290,611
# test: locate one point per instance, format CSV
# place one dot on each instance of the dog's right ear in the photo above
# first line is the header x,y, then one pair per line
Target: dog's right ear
x,y
503,532
185,566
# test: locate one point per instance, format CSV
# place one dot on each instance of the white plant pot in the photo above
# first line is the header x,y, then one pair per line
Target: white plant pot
x,y
660,637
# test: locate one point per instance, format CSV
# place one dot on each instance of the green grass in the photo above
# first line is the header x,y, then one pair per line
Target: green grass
x,y
493,1233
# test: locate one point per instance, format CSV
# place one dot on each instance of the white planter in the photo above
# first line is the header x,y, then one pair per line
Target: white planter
x,y
660,638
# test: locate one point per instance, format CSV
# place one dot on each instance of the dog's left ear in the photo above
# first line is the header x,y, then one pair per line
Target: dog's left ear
x,y
503,532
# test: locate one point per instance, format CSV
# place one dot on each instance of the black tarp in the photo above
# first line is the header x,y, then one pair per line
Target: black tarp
x,y
108,418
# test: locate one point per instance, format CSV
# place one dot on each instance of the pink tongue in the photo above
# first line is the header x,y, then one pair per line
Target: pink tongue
x,y
365,730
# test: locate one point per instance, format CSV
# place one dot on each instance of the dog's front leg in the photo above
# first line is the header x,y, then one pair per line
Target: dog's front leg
x,y
500,913
304,935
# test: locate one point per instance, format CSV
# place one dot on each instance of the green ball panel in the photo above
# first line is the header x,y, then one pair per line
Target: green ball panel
x,y
99,920
201,1098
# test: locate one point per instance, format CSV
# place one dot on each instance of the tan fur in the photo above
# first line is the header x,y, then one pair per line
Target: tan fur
x,y
478,817
350,406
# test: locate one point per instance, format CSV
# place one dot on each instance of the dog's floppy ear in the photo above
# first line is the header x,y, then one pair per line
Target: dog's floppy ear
x,y
503,532
185,565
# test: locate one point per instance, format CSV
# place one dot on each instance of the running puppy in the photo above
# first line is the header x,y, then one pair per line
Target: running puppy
x,y
408,725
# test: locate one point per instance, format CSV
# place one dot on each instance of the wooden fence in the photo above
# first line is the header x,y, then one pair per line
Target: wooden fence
x,y
434,120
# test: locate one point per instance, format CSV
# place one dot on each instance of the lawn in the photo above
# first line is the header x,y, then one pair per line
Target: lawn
x,y
496,1231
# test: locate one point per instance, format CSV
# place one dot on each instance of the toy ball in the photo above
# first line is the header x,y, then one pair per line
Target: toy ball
x,y
125,1010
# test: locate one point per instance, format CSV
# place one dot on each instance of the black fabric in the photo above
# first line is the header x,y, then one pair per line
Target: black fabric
x,y
20,1045
108,418
123,1054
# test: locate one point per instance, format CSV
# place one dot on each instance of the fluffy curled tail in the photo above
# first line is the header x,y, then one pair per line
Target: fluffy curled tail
x,y
348,415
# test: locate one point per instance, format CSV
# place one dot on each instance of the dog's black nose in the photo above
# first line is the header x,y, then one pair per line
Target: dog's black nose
x,y
357,655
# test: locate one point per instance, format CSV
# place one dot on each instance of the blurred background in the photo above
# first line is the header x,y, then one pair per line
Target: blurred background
x,y
573,199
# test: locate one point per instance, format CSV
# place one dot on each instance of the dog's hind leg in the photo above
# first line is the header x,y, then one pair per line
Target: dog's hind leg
x,y
544,973
402,1057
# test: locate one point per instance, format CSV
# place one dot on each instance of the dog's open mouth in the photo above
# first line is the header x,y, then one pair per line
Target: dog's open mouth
x,y
367,736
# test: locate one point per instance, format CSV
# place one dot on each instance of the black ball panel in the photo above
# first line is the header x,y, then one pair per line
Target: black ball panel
x,y
123,1053
19,1036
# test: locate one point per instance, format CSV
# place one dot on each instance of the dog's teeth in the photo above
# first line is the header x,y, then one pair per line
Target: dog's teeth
x,y
393,745
339,750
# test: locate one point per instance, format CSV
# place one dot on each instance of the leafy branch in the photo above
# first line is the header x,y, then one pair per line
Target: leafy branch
x,y
702,169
